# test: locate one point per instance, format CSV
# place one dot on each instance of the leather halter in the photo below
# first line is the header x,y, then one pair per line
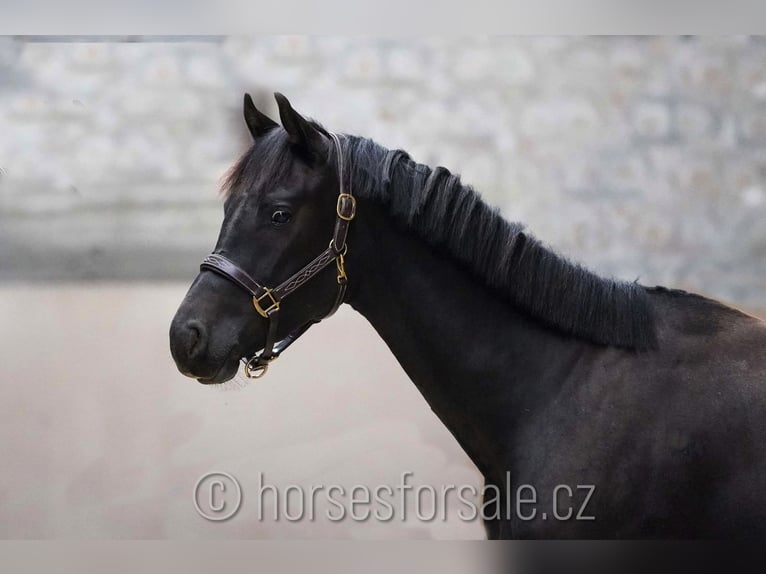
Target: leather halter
x,y
267,301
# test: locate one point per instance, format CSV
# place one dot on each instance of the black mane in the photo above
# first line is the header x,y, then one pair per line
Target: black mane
x,y
451,216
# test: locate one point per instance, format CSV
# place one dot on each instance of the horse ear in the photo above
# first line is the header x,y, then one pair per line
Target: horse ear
x,y
257,122
300,130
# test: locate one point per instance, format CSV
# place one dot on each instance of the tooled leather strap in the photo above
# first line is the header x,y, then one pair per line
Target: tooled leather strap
x,y
229,269
304,275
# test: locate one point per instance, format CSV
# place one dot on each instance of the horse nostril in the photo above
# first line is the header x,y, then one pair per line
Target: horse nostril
x,y
197,338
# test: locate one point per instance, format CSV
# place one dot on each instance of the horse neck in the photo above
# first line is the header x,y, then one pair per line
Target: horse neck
x,y
479,363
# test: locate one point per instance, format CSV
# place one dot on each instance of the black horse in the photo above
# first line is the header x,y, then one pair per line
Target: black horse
x,y
597,408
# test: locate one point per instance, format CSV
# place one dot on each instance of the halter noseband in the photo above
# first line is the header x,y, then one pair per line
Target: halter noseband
x,y
267,301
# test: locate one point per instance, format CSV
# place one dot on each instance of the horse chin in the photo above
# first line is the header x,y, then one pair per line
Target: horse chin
x,y
227,372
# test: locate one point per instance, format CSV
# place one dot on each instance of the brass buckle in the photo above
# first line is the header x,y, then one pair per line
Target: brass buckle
x,y
258,370
273,306
341,198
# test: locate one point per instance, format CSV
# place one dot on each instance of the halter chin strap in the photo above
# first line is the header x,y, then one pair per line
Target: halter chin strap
x,y
267,301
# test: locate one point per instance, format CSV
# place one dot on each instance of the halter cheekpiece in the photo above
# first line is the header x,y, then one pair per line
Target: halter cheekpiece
x,y
267,301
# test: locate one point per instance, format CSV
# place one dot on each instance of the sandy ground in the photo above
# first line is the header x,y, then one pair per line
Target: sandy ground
x,y
101,437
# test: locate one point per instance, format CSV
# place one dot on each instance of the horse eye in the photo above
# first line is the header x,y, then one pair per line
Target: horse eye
x,y
280,217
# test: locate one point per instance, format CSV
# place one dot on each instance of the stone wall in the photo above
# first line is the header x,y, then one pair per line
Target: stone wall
x,y
640,157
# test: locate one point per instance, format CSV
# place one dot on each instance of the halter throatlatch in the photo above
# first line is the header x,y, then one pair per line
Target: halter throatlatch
x,y
267,301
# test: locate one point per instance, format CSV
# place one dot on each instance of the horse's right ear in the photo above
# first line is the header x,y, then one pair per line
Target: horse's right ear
x,y
258,123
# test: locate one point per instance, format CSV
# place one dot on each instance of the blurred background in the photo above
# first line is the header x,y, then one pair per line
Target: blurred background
x,y
641,157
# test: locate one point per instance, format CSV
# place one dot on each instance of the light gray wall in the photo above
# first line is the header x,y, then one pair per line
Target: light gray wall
x,y
641,157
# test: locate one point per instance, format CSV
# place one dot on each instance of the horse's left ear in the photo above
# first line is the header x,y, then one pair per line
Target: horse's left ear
x,y
302,133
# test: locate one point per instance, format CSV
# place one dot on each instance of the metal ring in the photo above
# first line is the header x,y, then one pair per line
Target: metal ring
x,y
345,248
257,371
